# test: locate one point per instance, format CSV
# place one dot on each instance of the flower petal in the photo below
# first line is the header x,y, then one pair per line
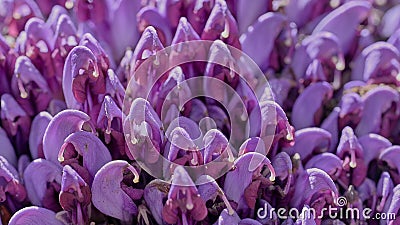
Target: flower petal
x,y
38,129
60,127
34,215
308,104
352,14
107,194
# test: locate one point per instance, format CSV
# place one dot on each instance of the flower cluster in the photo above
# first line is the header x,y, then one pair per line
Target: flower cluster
x,y
90,100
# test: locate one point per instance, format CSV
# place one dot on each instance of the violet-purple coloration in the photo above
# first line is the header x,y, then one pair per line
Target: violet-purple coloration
x,y
117,112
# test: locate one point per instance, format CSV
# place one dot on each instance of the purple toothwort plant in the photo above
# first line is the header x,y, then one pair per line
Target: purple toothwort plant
x,y
199,112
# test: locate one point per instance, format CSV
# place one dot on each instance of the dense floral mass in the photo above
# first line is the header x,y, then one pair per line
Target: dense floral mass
x,y
81,123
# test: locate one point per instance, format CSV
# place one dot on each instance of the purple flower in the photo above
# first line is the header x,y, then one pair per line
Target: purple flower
x,y
373,145
154,193
389,23
284,172
183,150
351,14
110,123
309,105
351,110
144,132
388,158
84,147
315,188
271,116
221,25
254,144
393,207
309,141
248,168
244,19
352,154
122,14
7,148
15,122
34,215
269,23
150,16
38,129
108,196
385,68
318,58
82,73
184,205
30,86
42,179
198,13
384,191
65,38
381,109
17,13
60,127
328,162
209,190
183,52
12,191
303,12
75,195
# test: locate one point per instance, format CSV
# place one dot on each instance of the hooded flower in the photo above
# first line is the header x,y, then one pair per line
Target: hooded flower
x,y
82,80
60,127
393,207
273,32
143,130
388,160
384,191
42,179
30,86
184,204
84,152
373,145
108,196
34,215
309,141
315,188
150,16
15,122
38,129
75,195
303,12
352,13
385,68
146,51
284,172
110,123
328,162
154,193
17,13
249,169
307,110
7,148
352,154
181,51
12,191
271,123
221,25
381,109
318,58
